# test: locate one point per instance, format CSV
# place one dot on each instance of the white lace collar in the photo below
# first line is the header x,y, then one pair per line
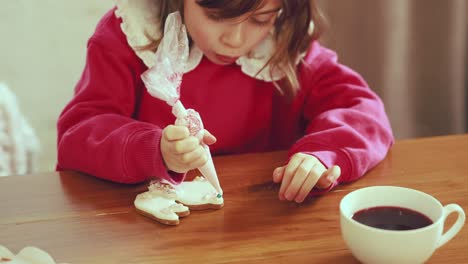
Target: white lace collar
x,y
140,24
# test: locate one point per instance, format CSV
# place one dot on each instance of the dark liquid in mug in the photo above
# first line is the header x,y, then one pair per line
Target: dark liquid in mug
x,y
392,218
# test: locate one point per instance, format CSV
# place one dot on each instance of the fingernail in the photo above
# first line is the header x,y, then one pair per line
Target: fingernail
x,y
276,172
281,196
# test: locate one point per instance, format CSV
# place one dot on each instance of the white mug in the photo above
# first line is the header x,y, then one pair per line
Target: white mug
x,y
375,245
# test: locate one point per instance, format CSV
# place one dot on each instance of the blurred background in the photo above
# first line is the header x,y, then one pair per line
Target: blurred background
x,y
413,53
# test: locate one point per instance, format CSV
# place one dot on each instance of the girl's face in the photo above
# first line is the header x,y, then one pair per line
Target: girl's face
x,y
224,40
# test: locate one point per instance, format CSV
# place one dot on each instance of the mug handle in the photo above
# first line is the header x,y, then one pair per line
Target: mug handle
x,y
448,209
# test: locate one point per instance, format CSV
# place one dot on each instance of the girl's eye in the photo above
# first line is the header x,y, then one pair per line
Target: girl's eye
x,y
259,22
255,20
214,17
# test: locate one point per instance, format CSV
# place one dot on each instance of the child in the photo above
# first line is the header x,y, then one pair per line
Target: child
x,y
257,76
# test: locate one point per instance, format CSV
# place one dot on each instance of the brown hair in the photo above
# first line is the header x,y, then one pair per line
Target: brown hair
x,y
291,30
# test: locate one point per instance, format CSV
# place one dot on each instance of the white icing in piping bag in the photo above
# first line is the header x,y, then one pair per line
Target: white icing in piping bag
x,y
163,81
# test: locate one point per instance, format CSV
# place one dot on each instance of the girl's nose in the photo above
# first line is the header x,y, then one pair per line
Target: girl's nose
x,y
233,37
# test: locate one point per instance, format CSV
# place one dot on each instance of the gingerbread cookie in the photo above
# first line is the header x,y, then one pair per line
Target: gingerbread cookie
x,y
165,203
159,203
199,194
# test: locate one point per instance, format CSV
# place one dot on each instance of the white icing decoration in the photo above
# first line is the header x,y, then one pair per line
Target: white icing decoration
x,y
158,206
146,195
177,207
157,188
210,196
165,211
199,178
158,203
197,192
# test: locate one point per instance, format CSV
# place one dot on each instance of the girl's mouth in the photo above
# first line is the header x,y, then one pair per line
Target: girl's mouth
x,y
226,59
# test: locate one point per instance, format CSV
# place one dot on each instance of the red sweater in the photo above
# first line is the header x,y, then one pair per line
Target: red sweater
x,y
112,126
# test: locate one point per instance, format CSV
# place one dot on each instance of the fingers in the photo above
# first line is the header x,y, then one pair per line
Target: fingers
x,y
208,138
329,177
196,158
307,186
172,132
182,152
304,171
185,145
288,174
179,139
301,174
278,174
199,161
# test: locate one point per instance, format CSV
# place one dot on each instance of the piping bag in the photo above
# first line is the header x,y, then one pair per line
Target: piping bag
x,y
163,82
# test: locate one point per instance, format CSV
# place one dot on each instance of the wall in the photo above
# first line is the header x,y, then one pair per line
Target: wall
x,y
42,53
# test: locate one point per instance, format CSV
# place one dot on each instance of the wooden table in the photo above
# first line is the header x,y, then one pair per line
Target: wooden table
x,y
80,219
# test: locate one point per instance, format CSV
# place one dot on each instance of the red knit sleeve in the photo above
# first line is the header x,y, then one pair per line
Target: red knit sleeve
x,y
346,121
96,132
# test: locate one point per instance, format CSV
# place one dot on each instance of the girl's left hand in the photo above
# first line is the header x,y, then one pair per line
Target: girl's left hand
x,y
301,174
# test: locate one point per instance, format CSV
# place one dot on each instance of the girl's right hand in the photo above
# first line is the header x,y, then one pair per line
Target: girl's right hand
x,y
182,152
